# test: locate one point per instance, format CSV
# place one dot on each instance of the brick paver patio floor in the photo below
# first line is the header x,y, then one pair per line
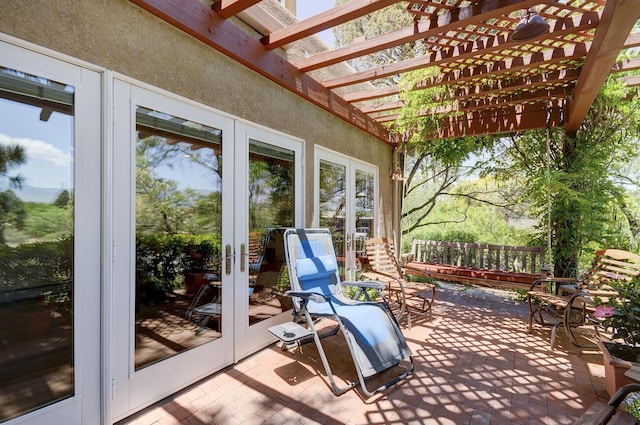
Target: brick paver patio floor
x,y
475,364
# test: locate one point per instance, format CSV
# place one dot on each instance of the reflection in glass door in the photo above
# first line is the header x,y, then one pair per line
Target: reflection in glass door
x,y
333,206
271,210
178,295
346,205
49,239
173,261
36,242
268,169
364,211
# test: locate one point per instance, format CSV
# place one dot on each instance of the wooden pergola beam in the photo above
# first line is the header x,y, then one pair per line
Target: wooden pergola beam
x,y
627,65
473,14
330,18
505,120
467,75
487,93
618,19
632,41
229,8
632,81
461,52
541,95
194,18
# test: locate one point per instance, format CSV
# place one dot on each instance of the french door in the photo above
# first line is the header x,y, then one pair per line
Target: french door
x,y
197,201
269,165
50,239
346,194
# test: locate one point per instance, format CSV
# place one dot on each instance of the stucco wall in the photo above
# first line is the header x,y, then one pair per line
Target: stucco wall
x,y
118,35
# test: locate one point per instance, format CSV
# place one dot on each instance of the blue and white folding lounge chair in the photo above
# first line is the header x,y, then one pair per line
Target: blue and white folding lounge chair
x,y
371,332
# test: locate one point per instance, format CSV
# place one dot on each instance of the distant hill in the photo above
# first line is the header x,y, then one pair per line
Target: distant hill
x,y
28,193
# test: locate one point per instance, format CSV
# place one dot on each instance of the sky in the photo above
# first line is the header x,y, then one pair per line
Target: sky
x,y
307,8
48,144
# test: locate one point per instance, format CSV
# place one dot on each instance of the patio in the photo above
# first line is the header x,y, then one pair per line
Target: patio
x,y
475,364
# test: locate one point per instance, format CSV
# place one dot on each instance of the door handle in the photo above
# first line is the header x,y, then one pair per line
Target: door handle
x,y
243,254
228,256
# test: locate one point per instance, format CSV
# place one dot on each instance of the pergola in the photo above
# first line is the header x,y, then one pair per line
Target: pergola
x,y
496,84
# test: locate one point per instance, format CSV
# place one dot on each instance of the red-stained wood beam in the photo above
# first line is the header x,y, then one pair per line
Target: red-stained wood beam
x,y
458,53
541,95
632,81
332,17
387,106
506,120
194,18
471,94
467,75
627,65
632,41
229,8
618,19
474,14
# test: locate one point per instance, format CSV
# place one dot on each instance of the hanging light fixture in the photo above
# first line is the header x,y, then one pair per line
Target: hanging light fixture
x,y
531,26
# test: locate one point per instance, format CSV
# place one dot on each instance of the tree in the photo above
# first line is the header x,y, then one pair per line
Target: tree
x,y
374,24
162,206
582,185
578,187
11,207
62,200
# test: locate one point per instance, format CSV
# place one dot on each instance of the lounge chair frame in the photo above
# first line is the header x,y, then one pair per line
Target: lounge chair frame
x,y
312,306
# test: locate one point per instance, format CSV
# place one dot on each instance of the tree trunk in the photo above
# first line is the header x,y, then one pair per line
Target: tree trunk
x,y
565,217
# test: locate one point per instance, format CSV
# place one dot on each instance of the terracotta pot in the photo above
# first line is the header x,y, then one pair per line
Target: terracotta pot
x,y
614,369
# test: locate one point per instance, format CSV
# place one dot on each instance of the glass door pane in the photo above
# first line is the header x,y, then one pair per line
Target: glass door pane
x,y
346,205
364,210
333,205
178,298
271,209
172,267
36,242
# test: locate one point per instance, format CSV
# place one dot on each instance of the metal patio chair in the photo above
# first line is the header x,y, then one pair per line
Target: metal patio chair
x,y
372,334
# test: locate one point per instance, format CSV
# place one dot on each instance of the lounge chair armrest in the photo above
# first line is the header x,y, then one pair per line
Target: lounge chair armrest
x,y
309,296
365,284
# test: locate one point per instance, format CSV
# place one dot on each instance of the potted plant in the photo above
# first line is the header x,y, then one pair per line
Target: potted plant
x,y
619,316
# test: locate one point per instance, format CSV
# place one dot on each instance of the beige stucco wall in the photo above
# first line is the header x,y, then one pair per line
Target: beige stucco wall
x,y
120,36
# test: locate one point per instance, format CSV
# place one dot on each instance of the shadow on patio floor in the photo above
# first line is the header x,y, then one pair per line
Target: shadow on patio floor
x,y
475,364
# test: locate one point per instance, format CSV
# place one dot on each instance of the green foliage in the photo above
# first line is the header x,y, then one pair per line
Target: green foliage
x,y
583,183
369,294
32,265
62,200
632,404
283,284
472,211
374,24
271,193
46,221
11,156
167,257
162,205
621,313
11,212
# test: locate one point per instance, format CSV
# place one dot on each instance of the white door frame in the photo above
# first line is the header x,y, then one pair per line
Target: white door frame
x,y
132,390
249,339
351,166
84,406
